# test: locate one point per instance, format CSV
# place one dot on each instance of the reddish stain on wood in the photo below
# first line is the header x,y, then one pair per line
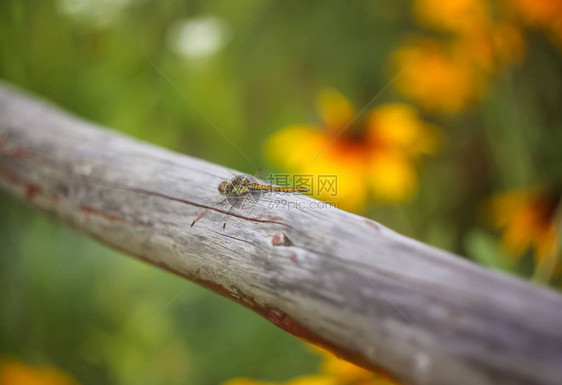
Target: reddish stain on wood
x,y
14,151
12,176
3,140
278,318
20,152
372,224
31,189
89,210
292,326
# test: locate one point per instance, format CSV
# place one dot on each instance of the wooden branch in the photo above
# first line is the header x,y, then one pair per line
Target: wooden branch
x,y
368,294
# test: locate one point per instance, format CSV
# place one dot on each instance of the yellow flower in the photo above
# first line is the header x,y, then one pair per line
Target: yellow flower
x,y
13,372
335,109
350,374
372,159
528,220
437,77
398,126
315,379
392,177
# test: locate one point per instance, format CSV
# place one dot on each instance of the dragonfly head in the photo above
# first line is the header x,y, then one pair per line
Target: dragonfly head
x,y
222,187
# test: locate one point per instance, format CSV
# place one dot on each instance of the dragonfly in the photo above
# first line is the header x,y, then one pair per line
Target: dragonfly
x,y
244,191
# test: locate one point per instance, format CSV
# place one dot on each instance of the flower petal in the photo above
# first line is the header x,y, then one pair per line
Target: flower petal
x,y
295,146
436,78
397,126
392,177
335,109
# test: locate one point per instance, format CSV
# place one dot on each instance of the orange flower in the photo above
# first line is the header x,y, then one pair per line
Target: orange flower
x,y
545,14
538,13
447,77
452,15
528,221
245,381
373,159
315,379
13,372
556,32
437,77
332,371
492,48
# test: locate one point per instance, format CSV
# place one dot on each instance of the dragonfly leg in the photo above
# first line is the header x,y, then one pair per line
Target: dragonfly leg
x,y
204,212
227,216
201,215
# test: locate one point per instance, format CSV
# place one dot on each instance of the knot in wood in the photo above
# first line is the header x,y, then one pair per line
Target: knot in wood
x,y
280,239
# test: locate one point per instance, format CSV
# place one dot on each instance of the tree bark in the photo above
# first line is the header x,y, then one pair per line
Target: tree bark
x,y
372,296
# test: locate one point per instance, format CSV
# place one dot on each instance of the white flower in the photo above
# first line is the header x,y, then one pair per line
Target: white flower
x,y
198,38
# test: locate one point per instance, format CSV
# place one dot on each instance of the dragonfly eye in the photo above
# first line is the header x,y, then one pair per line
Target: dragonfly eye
x,y
222,187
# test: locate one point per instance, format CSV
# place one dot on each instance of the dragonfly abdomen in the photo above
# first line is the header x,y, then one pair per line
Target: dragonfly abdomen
x,y
257,186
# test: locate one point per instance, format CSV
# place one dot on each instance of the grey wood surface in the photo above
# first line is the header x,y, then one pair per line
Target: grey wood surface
x,y
340,280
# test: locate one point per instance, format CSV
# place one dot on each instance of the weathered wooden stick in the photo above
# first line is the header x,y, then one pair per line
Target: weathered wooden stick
x,y
368,294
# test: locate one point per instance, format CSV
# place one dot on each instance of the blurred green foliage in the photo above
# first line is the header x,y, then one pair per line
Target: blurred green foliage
x,y
68,301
